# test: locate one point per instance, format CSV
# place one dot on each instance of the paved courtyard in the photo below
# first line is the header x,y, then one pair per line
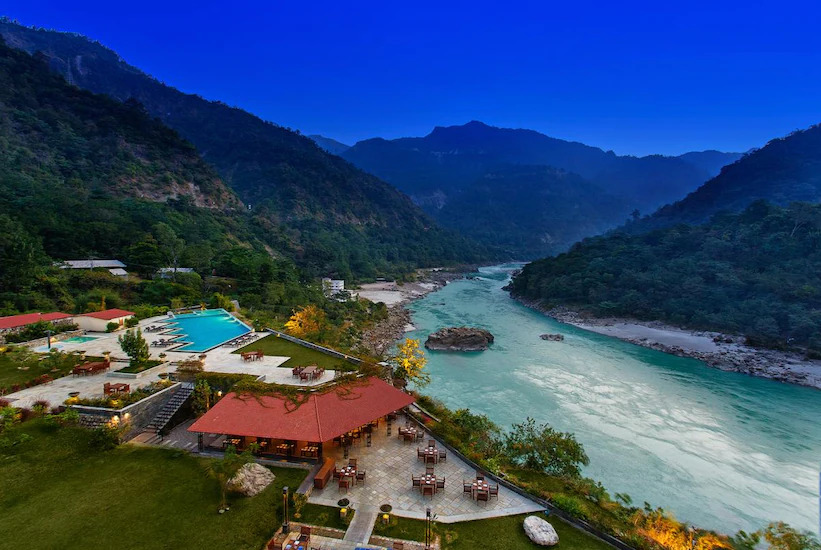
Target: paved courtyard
x,y
389,464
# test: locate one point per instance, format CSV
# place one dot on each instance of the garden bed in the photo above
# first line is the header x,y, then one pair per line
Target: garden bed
x,y
134,369
298,355
22,368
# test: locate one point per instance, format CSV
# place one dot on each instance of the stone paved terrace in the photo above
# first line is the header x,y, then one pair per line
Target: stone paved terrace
x,y
389,464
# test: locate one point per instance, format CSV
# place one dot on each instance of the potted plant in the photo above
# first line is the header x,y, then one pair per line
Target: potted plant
x,y
107,355
82,354
202,357
163,356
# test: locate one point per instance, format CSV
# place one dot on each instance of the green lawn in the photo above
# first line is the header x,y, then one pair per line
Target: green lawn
x,y
326,516
506,533
299,355
19,366
151,363
57,492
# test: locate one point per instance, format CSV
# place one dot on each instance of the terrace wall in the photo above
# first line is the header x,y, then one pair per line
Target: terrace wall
x,y
317,347
140,413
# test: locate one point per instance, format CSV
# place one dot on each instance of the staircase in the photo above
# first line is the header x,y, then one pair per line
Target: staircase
x,y
169,410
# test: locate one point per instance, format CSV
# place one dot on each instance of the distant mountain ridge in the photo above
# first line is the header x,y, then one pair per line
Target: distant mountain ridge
x,y
320,210
451,163
331,145
786,169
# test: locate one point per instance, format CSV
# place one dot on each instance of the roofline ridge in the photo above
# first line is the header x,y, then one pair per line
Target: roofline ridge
x,y
318,420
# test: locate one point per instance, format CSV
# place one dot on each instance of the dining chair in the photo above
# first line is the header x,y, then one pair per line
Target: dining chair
x,y
431,443
428,470
352,462
360,476
420,453
443,456
482,495
344,482
480,476
494,491
440,483
415,481
467,487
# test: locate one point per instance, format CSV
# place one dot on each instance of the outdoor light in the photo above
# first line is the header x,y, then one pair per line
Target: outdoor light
x,y
219,393
286,528
126,416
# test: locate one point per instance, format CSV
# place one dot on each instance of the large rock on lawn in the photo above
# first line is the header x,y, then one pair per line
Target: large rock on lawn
x,y
251,479
459,339
540,531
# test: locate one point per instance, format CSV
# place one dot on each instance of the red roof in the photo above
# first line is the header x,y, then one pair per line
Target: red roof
x,y
14,321
322,417
109,314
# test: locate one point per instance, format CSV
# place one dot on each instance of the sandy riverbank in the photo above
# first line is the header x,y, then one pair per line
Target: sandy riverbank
x,y
717,350
380,338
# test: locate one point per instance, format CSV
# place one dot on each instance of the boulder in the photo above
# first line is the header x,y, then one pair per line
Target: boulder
x,y
540,531
251,479
553,337
459,339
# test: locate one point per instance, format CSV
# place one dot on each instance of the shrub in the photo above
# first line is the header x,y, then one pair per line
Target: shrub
x,y
106,437
570,504
132,322
111,327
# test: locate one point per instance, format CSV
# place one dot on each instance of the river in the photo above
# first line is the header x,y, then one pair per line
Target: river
x,y
722,450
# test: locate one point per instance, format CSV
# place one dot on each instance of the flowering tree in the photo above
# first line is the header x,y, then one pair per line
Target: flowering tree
x,y
306,322
409,363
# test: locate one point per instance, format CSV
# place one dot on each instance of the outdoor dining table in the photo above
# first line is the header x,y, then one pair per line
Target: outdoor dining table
x,y
431,454
307,373
348,471
119,387
284,448
310,450
480,485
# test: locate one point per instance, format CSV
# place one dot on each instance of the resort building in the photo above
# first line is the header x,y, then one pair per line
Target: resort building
x,y
168,272
333,286
15,323
289,429
115,267
97,321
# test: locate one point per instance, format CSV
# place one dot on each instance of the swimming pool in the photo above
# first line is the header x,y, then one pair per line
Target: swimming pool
x,y
204,330
78,339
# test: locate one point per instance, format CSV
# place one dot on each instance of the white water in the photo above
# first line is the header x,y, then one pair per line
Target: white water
x,y
723,450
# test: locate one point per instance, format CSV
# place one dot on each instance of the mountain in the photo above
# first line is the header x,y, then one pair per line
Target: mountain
x,y
450,157
89,175
532,211
329,216
785,170
456,161
330,145
756,273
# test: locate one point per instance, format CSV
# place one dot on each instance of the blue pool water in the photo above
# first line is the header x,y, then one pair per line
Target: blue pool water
x,y
204,330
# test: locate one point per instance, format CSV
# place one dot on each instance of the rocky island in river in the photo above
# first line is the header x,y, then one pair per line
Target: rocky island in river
x,y
459,339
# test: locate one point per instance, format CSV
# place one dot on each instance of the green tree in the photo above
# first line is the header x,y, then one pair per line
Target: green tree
x,y
781,536
21,256
541,448
171,246
135,346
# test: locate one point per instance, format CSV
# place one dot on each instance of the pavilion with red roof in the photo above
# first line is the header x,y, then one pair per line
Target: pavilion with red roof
x,y
283,427
14,323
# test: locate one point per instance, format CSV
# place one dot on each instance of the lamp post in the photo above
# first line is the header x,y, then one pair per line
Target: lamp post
x,y
286,527
48,339
428,534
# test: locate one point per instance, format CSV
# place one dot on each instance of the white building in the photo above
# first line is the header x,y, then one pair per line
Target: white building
x,y
333,286
97,321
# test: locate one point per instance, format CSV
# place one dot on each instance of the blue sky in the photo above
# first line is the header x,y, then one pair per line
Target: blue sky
x,y
634,77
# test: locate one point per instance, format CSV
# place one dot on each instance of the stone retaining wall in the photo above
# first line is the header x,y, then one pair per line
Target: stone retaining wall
x,y
139,414
54,338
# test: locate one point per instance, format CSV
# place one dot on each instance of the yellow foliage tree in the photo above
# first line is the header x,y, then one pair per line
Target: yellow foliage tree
x,y
409,363
671,534
305,322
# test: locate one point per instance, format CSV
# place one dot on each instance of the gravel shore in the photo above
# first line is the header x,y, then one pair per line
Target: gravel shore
x,y
721,351
380,339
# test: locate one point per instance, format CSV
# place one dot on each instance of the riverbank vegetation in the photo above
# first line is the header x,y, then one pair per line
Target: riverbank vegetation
x,y
756,273
547,464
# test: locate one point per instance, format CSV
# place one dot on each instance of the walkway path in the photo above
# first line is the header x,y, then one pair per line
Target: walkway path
x,y
361,527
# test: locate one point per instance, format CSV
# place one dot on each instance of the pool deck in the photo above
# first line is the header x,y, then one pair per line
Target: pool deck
x,y
219,359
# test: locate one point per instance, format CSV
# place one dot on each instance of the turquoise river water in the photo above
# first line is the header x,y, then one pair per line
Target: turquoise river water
x,y
722,450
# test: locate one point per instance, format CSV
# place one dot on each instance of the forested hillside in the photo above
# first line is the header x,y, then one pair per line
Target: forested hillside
x,y
83,175
786,169
756,273
316,208
442,171
532,211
